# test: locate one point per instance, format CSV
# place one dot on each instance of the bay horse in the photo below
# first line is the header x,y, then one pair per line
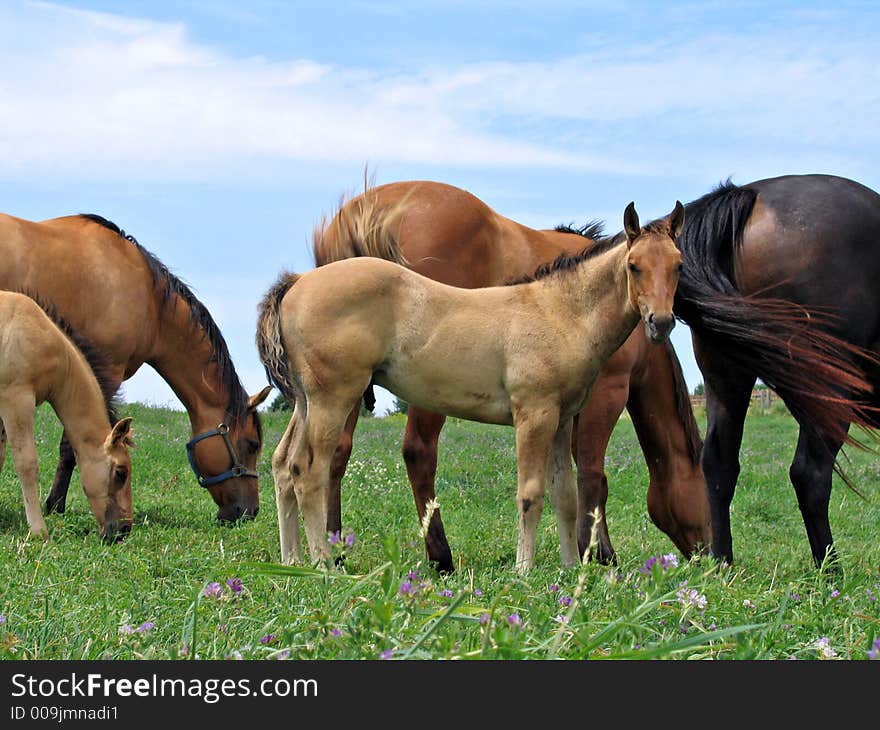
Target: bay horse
x,y
42,360
135,311
524,355
780,283
451,236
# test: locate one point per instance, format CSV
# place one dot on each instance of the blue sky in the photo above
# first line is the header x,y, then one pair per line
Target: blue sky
x,y
219,133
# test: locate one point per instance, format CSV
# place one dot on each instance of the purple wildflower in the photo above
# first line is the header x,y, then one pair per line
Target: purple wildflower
x,y
691,597
445,593
268,638
126,629
824,647
871,596
333,538
874,651
335,632
835,593
235,585
561,619
145,626
213,590
748,604
514,620
565,601
406,589
484,619
413,575
350,539
794,597
283,654
2,619
478,592
387,654
554,588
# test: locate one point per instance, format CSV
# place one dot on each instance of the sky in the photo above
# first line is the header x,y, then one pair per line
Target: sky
x,y
219,133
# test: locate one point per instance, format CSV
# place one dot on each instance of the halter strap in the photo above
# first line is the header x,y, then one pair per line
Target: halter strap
x,y
237,470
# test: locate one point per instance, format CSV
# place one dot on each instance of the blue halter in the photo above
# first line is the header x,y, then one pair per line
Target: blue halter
x,y
237,470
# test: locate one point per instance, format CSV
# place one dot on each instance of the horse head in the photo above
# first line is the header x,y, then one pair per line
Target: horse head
x,y
653,268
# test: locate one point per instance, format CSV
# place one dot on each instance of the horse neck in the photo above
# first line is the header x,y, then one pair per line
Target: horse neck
x,y
77,399
184,358
596,292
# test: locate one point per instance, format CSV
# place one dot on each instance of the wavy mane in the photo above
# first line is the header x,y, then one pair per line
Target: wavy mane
x,y
168,286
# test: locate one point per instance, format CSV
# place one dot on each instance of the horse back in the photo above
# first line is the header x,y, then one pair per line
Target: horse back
x,y
96,279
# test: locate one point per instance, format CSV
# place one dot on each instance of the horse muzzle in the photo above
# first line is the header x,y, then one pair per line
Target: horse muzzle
x,y
658,327
114,532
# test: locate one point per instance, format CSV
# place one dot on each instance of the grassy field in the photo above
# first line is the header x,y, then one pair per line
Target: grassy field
x,y
183,587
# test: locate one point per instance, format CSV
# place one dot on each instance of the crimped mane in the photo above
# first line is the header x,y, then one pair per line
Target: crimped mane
x,y
167,286
98,362
788,347
270,346
360,227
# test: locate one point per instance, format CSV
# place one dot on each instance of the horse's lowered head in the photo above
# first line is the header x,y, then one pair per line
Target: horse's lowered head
x,y
224,459
653,268
106,480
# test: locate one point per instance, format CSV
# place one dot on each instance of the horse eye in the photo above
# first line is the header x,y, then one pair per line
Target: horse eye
x,y
253,446
679,268
633,268
121,473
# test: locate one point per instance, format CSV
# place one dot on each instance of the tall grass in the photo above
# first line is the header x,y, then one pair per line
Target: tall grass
x,y
181,586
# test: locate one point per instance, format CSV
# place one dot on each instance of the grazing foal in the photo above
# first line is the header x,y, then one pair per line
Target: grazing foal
x,y
524,355
40,362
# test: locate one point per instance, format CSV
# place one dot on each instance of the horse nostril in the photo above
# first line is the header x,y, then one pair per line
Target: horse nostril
x,y
650,318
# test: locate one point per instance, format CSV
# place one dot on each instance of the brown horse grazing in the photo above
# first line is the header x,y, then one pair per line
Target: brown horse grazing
x,y
451,236
524,355
135,311
780,283
40,362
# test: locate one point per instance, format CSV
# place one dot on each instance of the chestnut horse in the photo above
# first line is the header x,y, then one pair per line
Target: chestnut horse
x,y
135,311
780,283
448,234
41,360
524,355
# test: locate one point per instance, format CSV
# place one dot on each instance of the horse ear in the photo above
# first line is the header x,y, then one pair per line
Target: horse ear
x,y
676,220
631,223
255,400
121,433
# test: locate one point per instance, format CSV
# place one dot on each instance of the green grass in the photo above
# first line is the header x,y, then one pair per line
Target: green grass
x,y
72,598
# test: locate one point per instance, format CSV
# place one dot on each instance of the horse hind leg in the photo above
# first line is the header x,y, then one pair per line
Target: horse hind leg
x,y
811,473
284,474
338,465
420,456
56,501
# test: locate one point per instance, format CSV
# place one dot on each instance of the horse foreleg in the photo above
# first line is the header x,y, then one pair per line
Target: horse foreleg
x,y
563,494
420,456
595,424
18,415
337,470
534,438
727,402
810,473
56,501
284,473
2,445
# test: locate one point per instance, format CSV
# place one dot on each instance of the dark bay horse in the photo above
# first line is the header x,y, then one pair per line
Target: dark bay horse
x,y
525,355
451,236
780,283
135,311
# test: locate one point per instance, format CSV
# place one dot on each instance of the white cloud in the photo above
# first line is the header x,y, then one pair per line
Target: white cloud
x,y
96,93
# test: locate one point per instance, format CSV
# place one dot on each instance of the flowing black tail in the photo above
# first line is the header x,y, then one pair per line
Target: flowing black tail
x,y
789,347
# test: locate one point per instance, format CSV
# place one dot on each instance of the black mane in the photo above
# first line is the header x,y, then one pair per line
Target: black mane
x,y
98,362
168,285
599,244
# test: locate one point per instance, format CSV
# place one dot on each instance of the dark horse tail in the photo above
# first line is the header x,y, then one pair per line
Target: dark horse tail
x,y
789,348
360,227
270,345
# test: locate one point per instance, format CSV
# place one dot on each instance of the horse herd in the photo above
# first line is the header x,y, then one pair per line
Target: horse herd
x,y
421,288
